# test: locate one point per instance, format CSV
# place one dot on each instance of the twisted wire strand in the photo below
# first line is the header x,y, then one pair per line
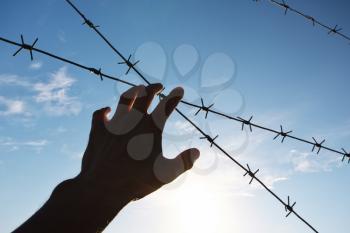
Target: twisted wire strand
x,y
343,153
336,30
211,140
287,206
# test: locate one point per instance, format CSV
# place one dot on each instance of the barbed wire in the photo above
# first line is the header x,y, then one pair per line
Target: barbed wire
x,y
336,30
98,72
288,208
202,107
207,109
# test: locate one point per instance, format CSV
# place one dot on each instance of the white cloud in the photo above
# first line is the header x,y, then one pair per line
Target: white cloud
x,y
36,65
53,94
182,126
270,181
6,79
309,162
14,145
12,107
36,143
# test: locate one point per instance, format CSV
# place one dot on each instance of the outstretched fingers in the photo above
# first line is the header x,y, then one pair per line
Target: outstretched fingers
x,y
137,98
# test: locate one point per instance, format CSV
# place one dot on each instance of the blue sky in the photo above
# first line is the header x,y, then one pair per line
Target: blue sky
x,y
278,68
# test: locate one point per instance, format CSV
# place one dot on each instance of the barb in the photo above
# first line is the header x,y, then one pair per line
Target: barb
x,y
334,30
90,24
285,6
346,155
251,174
246,122
204,109
28,47
331,30
129,64
317,145
210,139
97,72
283,134
289,208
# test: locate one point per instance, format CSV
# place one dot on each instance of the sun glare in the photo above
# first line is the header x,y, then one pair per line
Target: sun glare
x,y
197,208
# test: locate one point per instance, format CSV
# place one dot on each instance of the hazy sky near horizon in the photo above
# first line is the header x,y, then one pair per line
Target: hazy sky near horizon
x,y
246,57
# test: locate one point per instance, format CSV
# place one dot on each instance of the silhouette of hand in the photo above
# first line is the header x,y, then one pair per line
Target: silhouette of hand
x,y
124,155
122,162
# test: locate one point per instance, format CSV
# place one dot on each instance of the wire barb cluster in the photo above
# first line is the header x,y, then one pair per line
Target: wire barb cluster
x,y
129,64
90,24
336,30
251,174
317,145
282,134
210,139
204,108
97,72
27,47
289,208
246,122
346,155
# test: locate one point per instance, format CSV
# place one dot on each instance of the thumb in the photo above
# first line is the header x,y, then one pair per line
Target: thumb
x,y
187,159
167,170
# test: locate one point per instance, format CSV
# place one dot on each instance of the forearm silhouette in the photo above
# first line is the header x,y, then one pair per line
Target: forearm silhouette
x,y
123,162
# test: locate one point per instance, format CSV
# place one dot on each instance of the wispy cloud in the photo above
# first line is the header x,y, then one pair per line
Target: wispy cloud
x,y
14,145
270,180
181,127
54,94
10,79
36,65
307,162
12,107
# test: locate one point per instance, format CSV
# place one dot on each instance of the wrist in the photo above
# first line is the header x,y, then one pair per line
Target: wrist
x,y
86,207
105,194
